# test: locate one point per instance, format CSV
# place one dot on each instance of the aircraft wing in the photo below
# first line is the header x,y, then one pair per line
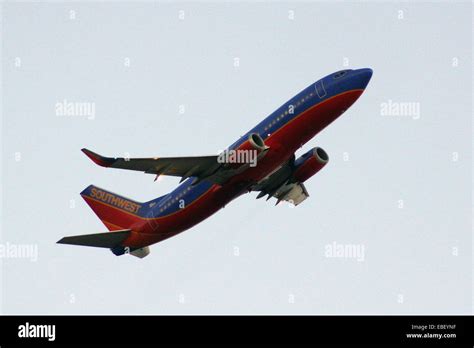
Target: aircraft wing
x,y
201,167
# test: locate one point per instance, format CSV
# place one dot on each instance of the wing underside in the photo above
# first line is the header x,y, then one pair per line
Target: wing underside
x,y
174,166
280,185
199,167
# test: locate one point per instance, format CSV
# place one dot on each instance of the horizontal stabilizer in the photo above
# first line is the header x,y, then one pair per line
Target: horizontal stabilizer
x,y
99,240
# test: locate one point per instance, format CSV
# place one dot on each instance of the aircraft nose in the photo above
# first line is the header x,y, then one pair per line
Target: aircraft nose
x,y
363,76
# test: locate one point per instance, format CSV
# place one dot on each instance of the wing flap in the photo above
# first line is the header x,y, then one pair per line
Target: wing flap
x,y
294,193
281,185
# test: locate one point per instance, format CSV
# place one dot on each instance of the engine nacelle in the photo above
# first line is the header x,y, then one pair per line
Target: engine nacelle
x,y
309,164
247,154
257,142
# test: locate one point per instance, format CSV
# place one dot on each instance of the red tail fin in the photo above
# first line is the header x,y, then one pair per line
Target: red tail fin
x,y
116,212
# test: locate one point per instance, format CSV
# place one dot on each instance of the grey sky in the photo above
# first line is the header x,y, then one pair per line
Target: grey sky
x,y
398,186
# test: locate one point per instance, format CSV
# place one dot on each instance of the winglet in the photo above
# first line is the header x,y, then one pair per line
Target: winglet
x,y
98,159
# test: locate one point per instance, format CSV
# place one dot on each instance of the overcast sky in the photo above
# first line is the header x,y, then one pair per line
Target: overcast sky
x,y
184,79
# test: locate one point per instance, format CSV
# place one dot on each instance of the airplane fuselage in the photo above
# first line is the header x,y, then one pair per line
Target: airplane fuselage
x,y
284,131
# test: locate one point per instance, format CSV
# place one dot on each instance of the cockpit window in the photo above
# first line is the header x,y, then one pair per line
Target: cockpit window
x,y
340,74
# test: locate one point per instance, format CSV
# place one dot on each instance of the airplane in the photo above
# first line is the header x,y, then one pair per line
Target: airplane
x,y
208,183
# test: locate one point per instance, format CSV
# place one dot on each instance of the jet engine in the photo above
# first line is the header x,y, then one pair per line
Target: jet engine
x,y
257,142
309,164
